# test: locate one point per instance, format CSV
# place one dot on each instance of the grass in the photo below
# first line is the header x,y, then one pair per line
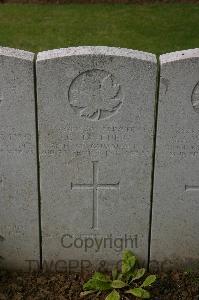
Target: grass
x,y
157,28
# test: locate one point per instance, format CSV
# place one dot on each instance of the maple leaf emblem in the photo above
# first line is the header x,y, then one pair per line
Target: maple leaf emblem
x,y
195,98
98,93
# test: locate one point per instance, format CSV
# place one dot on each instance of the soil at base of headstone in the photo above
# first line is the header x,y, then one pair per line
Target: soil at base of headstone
x,y
60,286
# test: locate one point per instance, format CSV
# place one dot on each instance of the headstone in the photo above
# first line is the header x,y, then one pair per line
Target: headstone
x,y
175,225
96,119
19,233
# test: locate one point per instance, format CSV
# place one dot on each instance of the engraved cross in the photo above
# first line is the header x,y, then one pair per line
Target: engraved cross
x,y
95,186
191,188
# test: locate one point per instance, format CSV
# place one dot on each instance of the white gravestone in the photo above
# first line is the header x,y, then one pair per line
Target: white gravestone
x,y
19,233
96,119
175,226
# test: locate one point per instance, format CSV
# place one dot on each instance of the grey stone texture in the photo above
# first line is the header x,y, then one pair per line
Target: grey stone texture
x,y
96,124
175,225
19,233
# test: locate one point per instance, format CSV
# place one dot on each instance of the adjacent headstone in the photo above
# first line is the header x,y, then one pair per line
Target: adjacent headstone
x,y
19,233
175,226
96,119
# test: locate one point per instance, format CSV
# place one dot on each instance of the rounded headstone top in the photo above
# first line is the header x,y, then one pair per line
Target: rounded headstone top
x,y
21,54
96,50
179,55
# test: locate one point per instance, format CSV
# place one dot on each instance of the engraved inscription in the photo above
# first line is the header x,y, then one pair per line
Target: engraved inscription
x,y
195,98
95,94
11,230
94,187
13,142
178,147
89,142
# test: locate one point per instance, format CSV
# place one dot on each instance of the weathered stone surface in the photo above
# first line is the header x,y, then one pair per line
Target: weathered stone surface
x,y
96,118
19,234
175,239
